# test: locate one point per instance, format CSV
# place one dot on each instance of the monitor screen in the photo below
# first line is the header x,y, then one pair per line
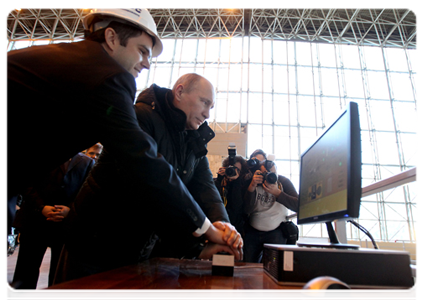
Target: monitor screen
x,y
330,172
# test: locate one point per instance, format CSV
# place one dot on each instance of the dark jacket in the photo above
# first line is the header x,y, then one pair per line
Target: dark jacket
x,y
115,208
59,188
56,92
184,149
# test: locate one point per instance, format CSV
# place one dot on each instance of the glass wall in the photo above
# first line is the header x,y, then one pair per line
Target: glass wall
x,y
287,93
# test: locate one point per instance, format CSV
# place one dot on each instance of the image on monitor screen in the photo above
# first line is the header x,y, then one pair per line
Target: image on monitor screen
x,y
330,172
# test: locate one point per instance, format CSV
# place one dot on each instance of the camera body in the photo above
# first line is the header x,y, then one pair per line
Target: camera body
x,y
253,163
231,170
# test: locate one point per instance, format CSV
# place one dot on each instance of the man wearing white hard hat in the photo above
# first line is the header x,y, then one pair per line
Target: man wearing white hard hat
x,y
55,91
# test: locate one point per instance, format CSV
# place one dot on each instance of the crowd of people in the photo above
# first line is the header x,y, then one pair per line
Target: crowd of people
x,y
151,186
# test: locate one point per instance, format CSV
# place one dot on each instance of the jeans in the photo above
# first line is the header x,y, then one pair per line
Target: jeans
x,y
254,240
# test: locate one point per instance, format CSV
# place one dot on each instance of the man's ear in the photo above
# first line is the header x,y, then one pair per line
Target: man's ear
x,y
178,92
111,39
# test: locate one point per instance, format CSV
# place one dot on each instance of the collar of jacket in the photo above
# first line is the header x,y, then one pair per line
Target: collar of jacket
x,y
161,99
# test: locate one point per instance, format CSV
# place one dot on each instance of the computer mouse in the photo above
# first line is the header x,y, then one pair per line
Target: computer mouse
x,y
325,282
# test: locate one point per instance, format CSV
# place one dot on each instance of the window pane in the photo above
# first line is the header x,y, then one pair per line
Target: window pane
x,y
303,53
255,108
279,52
350,56
401,86
236,50
413,58
354,83
374,58
224,51
405,116
189,53
222,78
281,110
329,81
162,76
234,108
267,78
280,79
307,111
327,55
377,85
397,230
305,80
201,51
397,60
409,148
255,78
267,51
255,50
212,50
382,115
220,107
235,77
387,148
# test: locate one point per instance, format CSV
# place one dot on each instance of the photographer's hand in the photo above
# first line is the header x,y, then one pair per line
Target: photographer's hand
x,y
257,179
272,189
221,171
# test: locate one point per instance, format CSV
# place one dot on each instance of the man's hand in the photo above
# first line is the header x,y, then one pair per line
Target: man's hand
x,y
55,213
226,234
212,248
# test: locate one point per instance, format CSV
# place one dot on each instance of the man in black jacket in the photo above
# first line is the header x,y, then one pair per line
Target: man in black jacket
x,y
56,91
126,221
41,219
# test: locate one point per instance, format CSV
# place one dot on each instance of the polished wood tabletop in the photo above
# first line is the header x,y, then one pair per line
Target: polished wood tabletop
x,y
168,273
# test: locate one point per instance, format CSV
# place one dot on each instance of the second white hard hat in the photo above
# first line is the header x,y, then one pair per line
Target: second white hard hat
x,y
139,17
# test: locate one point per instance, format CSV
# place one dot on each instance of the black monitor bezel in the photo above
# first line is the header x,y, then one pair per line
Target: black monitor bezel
x,y
354,171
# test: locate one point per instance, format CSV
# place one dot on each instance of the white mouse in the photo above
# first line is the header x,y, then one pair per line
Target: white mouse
x,y
325,282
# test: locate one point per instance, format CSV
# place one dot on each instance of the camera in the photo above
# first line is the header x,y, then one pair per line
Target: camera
x,y
270,177
253,163
231,170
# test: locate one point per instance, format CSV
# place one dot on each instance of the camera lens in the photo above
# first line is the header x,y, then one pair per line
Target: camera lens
x,y
253,162
230,171
271,177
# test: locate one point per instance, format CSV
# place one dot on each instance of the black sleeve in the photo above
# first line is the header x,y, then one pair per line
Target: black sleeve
x,y
289,195
203,189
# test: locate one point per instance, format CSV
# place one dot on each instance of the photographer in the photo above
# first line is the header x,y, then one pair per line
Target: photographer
x,y
230,178
267,200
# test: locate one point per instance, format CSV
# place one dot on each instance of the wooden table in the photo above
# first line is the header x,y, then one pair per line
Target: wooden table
x,y
192,279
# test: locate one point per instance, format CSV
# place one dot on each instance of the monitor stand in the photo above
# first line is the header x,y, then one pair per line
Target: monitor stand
x,y
333,241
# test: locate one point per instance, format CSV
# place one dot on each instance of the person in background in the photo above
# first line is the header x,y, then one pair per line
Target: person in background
x,y
41,219
230,189
94,151
138,214
267,200
97,74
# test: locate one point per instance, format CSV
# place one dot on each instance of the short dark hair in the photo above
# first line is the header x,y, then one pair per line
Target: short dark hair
x,y
257,152
124,31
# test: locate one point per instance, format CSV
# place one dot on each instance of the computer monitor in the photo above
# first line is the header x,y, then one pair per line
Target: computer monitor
x,y
330,176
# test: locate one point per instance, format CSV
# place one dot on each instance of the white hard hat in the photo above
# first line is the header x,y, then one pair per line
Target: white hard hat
x,y
140,17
